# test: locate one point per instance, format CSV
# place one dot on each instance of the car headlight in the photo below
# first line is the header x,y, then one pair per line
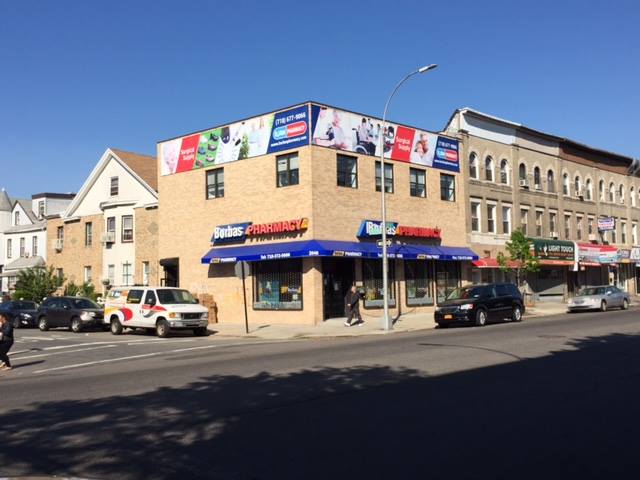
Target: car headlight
x,y
204,316
26,316
175,315
466,306
87,315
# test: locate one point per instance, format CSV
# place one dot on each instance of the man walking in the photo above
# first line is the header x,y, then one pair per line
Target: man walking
x,y
6,341
352,303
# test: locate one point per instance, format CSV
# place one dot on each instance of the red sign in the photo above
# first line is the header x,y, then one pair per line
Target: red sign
x,y
187,155
422,232
403,144
278,227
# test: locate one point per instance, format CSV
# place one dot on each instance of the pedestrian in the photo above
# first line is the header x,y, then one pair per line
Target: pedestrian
x,y
6,341
352,303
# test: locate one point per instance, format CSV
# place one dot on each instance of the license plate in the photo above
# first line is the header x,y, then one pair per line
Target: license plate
x,y
448,317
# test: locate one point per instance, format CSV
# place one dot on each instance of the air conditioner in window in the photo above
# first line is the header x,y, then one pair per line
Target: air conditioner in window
x,y
58,243
593,237
524,183
538,186
108,237
553,234
578,193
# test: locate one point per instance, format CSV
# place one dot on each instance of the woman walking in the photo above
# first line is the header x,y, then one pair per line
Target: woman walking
x,y
6,342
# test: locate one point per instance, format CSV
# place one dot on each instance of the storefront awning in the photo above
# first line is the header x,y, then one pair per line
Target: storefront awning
x,y
493,263
332,248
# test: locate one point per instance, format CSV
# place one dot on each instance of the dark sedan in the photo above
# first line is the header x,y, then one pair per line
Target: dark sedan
x,y
75,313
481,304
21,313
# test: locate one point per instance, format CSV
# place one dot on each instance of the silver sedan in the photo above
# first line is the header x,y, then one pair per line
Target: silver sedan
x,y
599,298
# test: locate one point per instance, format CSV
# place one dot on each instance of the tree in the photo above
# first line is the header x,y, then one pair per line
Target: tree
x,y
71,289
520,249
36,283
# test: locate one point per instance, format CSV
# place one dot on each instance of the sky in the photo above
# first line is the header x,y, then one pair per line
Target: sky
x,y
77,77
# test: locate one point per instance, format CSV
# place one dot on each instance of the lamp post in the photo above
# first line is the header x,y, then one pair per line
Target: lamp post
x,y
386,320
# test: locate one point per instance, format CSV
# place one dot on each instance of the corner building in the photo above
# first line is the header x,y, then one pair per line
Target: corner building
x,y
296,194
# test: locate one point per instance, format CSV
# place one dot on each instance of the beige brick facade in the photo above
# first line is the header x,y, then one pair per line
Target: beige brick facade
x,y
146,243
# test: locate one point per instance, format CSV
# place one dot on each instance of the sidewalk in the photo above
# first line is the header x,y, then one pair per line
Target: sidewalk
x,y
335,328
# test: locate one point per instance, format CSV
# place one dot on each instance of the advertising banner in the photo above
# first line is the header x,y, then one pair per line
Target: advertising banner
x,y
554,252
262,135
624,255
635,254
351,132
606,223
596,255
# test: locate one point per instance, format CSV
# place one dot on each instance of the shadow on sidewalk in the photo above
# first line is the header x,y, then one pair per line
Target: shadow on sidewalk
x,y
572,414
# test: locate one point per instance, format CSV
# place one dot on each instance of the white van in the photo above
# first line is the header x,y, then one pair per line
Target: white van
x,y
159,308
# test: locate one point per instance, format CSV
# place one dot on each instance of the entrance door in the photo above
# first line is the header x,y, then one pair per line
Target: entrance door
x,y
171,272
337,278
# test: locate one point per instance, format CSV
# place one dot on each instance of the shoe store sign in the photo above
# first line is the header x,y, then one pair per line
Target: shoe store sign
x,y
238,232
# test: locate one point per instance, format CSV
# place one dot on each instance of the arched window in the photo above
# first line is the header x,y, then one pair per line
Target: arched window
x,y
577,185
504,171
601,190
473,166
522,172
612,192
536,178
565,184
488,169
551,182
621,193
589,189
632,196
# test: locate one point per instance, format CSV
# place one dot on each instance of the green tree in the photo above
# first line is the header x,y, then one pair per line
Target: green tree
x,y
36,283
520,248
88,290
71,289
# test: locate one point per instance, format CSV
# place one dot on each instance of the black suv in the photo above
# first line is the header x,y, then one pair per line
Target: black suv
x,y
481,304
21,312
75,313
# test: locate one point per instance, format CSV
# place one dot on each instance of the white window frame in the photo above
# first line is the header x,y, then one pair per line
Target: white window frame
x,y
489,166
634,233
473,162
539,214
492,216
478,203
509,209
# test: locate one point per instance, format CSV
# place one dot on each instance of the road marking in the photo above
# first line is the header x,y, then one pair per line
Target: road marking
x,y
60,353
46,339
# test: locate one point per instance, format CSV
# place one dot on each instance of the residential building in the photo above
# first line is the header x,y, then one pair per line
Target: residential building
x,y
108,234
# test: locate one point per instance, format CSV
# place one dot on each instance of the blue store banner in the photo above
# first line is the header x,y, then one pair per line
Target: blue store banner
x,y
290,129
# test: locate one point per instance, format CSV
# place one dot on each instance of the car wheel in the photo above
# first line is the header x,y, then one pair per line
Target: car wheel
x,y
162,328
76,325
116,327
481,318
43,324
625,304
603,306
516,315
200,331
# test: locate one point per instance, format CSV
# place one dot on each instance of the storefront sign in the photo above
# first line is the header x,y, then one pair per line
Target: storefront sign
x,y
624,255
635,254
554,252
606,223
237,232
373,228
256,136
351,132
596,255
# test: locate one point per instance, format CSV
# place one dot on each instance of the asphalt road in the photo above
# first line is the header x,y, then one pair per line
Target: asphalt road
x,y
547,398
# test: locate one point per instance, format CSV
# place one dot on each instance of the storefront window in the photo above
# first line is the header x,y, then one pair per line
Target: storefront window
x,y
278,285
447,279
419,282
372,277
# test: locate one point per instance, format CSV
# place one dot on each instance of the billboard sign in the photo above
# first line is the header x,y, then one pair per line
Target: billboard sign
x,y
606,224
256,136
554,252
359,134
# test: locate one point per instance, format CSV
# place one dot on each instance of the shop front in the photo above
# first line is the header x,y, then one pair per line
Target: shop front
x,y
597,264
554,280
624,275
634,256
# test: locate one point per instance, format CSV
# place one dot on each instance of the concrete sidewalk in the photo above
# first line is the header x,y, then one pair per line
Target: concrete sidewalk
x,y
335,328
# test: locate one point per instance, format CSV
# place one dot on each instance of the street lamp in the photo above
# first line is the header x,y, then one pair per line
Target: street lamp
x,y
386,320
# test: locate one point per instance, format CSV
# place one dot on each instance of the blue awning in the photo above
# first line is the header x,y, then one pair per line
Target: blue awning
x,y
332,248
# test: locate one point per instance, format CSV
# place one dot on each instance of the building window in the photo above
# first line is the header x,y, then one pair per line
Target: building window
x,y
539,216
601,190
565,184
552,224
278,285
621,193
590,225
60,238
9,248
347,171
41,210
127,276
551,182
111,274
287,169
632,196
506,220
215,183
589,192
504,172
111,229
145,273
623,232
417,182
87,274
579,227
114,187
418,276
475,216
88,234
127,228
488,169
524,220
16,218
22,247
372,280
473,166
60,275
522,172
567,226
614,233
388,177
577,185
612,193
634,233
447,187
491,218
536,178
34,246
447,279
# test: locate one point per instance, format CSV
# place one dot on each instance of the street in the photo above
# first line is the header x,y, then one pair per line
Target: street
x,y
553,397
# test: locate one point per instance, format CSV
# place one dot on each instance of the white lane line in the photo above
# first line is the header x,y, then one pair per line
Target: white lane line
x,y
115,343
61,353
46,339
189,340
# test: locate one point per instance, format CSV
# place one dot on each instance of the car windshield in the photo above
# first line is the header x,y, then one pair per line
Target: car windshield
x,y
169,296
465,292
83,303
25,305
591,291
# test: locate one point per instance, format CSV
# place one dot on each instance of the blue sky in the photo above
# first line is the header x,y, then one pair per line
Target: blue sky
x,y
77,77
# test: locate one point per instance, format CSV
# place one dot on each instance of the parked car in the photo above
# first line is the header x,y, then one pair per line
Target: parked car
x,y
161,309
601,298
75,313
481,304
21,312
